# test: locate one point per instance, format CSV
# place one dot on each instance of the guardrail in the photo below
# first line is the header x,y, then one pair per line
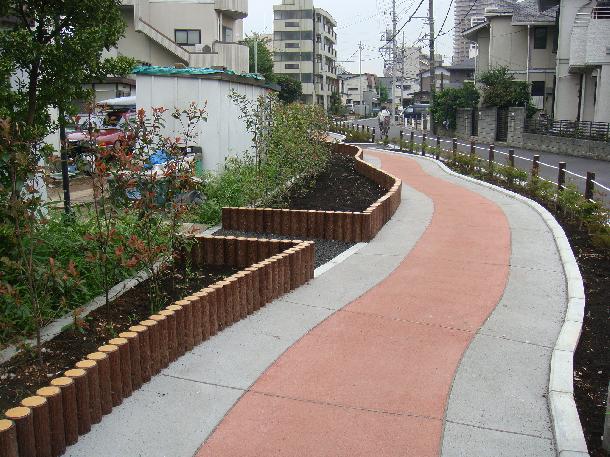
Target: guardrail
x,y
590,184
597,131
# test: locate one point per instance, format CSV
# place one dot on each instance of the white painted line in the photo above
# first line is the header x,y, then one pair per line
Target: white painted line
x,y
337,260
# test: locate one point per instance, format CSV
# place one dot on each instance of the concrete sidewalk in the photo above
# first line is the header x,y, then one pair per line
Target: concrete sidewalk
x,y
434,339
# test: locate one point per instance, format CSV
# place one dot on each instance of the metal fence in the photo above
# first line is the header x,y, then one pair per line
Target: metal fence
x,y
598,131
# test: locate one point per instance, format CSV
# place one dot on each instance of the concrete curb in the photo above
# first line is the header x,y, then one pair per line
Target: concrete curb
x,y
567,429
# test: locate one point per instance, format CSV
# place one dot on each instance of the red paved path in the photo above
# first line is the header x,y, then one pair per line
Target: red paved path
x,y
374,378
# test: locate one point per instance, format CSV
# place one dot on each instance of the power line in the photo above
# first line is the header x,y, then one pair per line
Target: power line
x,y
408,20
445,20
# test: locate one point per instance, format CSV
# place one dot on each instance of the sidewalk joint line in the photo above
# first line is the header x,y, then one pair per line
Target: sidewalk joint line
x,y
500,337
493,429
342,406
241,389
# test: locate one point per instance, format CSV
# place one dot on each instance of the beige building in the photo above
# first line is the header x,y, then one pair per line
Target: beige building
x,y
519,37
359,92
582,91
304,45
196,33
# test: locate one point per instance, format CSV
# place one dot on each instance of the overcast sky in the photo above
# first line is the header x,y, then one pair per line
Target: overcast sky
x,y
365,20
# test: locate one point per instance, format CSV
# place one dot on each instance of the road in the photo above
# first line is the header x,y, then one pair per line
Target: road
x,y
577,165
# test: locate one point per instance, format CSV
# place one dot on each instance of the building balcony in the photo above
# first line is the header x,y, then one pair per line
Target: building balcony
x,y
237,9
590,40
233,56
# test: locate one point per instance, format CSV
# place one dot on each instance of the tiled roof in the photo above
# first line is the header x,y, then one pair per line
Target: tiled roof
x,y
467,64
527,12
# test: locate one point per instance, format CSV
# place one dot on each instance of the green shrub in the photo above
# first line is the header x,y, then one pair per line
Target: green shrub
x,y
64,240
290,151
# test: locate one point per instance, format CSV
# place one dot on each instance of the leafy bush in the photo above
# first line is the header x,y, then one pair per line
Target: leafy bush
x,y
291,89
62,239
500,89
357,136
290,150
447,101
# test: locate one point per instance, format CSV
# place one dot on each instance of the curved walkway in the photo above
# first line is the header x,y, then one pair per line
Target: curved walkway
x,y
434,339
375,378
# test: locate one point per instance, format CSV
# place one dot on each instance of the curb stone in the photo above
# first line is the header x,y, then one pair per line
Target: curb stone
x,y
567,429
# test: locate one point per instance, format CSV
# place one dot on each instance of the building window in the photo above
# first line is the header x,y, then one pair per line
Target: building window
x,y
291,24
293,14
227,34
540,37
185,37
306,35
537,88
292,45
291,66
292,56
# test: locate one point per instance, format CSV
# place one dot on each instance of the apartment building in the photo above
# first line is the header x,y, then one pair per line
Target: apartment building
x,y
582,91
359,92
467,14
304,44
518,36
195,33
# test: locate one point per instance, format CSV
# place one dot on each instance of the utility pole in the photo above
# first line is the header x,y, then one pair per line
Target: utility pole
x,y
255,53
432,69
402,79
360,79
393,93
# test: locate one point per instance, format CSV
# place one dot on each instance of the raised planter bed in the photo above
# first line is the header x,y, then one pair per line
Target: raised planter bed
x,y
348,226
77,398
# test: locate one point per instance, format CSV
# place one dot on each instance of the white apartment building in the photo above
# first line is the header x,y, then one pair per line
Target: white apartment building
x,y
518,36
359,92
582,91
304,44
195,33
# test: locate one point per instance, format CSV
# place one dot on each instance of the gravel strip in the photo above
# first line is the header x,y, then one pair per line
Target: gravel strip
x,y
325,250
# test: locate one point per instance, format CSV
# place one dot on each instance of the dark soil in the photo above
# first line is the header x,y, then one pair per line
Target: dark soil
x,y
338,188
23,375
592,357
325,250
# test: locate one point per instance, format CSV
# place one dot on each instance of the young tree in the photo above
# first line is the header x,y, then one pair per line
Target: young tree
x,y
384,95
336,105
500,89
264,57
291,89
52,48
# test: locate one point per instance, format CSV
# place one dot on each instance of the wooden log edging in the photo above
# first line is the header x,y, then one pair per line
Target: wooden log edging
x,y
346,226
73,404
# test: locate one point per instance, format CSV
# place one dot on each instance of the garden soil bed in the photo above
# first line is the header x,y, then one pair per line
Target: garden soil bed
x,y
338,188
22,375
325,250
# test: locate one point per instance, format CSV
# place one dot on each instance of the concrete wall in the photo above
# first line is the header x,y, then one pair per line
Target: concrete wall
x,y
224,134
488,124
463,123
568,146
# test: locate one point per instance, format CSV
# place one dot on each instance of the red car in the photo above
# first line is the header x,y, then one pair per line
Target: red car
x,y
105,137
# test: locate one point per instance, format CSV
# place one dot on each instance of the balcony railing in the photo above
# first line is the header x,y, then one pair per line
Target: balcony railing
x,y
586,130
601,12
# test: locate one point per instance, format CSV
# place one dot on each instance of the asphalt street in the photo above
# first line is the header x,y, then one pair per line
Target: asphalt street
x,y
578,165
